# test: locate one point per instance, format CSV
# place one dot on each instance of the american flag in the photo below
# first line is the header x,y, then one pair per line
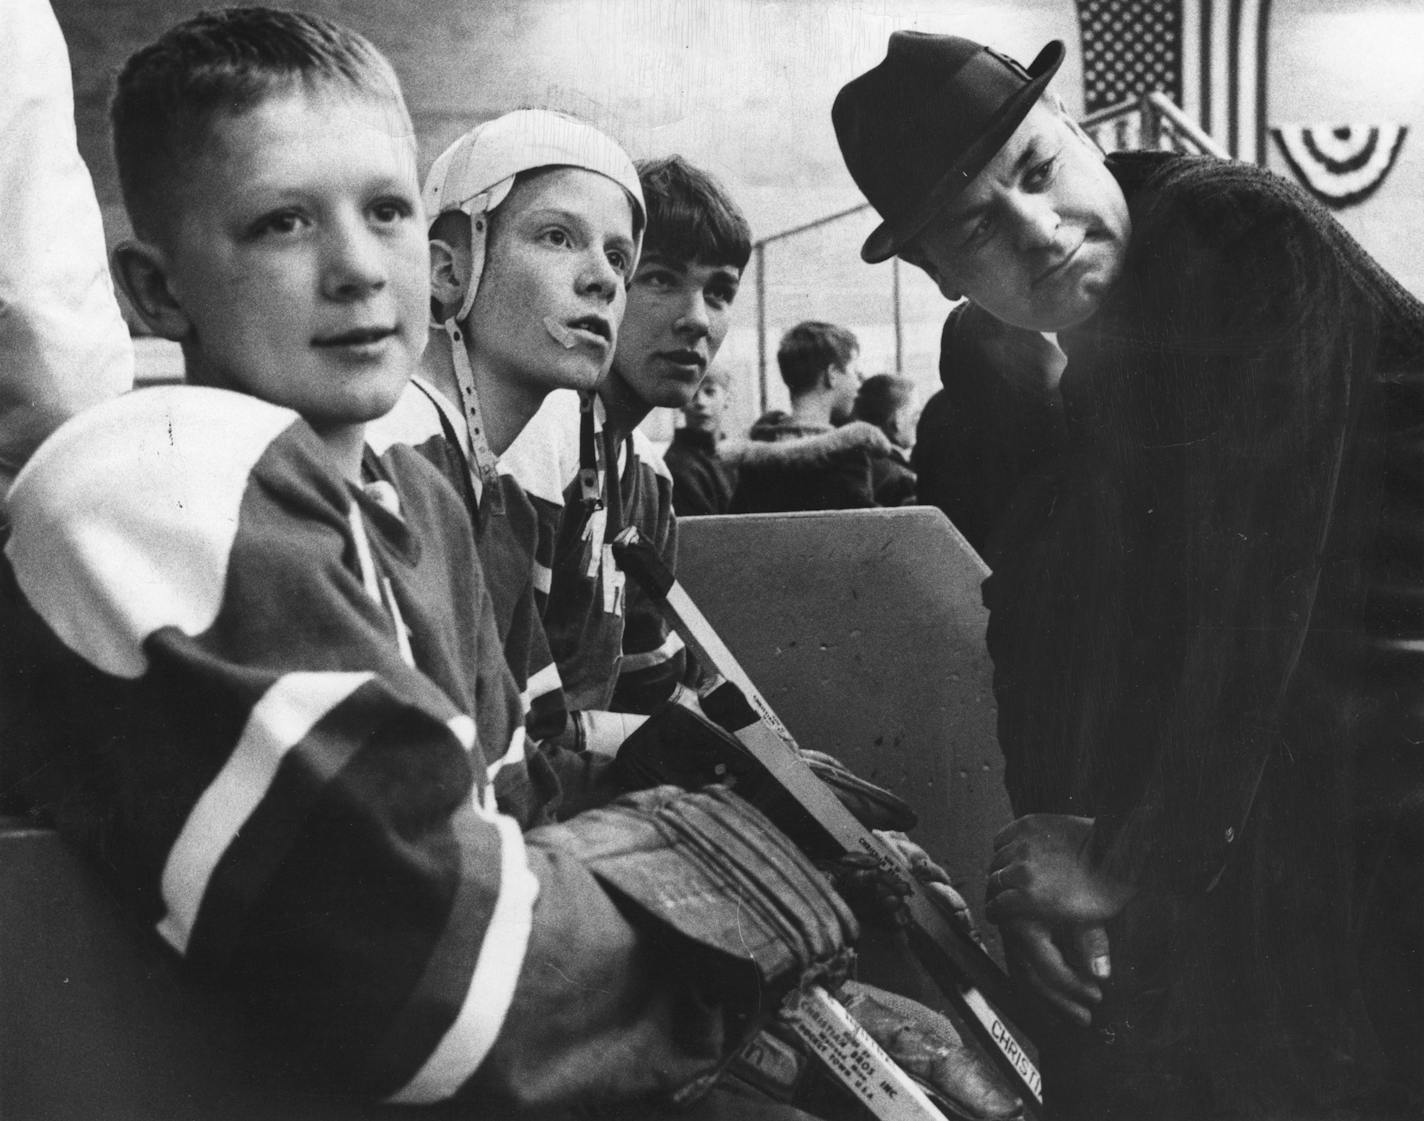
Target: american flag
x,y
1208,56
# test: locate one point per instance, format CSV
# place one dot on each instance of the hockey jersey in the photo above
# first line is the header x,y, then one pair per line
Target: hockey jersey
x,y
513,536
271,705
610,642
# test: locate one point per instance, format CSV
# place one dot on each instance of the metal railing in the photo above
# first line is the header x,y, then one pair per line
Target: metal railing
x,y
1152,120
759,256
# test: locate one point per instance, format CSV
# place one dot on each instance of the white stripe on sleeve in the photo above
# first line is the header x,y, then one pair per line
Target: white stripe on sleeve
x,y
492,982
514,755
280,721
541,684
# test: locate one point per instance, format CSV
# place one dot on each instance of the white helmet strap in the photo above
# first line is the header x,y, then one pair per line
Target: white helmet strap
x,y
484,470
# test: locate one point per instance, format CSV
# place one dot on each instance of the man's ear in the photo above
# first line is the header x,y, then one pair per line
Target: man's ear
x,y
142,271
449,274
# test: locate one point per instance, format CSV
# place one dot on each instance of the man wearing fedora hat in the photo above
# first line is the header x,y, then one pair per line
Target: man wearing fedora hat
x,y
1207,623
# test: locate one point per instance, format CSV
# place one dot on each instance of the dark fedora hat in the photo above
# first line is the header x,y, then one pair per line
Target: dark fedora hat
x,y
918,127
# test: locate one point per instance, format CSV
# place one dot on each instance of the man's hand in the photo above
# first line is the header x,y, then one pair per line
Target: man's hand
x,y
1062,974
1040,870
1051,906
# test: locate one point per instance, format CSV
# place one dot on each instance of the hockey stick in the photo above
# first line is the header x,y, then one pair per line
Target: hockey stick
x,y
971,981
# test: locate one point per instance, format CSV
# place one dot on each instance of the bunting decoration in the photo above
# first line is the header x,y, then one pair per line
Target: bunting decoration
x,y
1340,164
1208,56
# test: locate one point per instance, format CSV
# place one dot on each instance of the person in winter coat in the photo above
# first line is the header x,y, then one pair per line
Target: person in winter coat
x,y
814,457
1206,621
892,404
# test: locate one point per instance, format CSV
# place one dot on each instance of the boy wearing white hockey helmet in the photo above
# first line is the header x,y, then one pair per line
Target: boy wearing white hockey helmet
x,y
535,223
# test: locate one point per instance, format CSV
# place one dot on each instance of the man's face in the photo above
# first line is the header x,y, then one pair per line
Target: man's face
x,y
704,412
1039,236
553,291
845,384
678,315
296,251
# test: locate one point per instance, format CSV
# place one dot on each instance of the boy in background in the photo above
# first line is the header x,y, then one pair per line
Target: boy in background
x,y
891,403
701,482
279,717
814,457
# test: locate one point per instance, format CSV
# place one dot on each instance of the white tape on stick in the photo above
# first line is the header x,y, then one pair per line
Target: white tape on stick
x,y
833,1036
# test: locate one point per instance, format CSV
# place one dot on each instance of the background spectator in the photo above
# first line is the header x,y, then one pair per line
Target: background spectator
x,y
892,404
702,482
802,460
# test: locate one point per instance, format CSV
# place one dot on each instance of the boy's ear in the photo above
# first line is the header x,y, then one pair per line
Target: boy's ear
x,y
141,270
449,274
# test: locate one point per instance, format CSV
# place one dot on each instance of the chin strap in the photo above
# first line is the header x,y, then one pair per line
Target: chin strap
x,y
484,465
592,467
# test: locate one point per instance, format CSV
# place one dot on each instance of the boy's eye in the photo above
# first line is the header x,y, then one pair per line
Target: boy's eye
x,y
392,210
279,223
722,294
660,280
620,261
557,237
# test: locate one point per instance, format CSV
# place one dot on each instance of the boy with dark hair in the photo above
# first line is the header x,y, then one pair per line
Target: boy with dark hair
x,y
696,221
266,687
815,457
818,364
892,404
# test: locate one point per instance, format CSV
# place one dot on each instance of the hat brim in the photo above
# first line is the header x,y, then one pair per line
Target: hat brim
x,y
887,240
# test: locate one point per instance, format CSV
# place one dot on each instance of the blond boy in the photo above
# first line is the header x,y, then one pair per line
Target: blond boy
x,y
278,714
